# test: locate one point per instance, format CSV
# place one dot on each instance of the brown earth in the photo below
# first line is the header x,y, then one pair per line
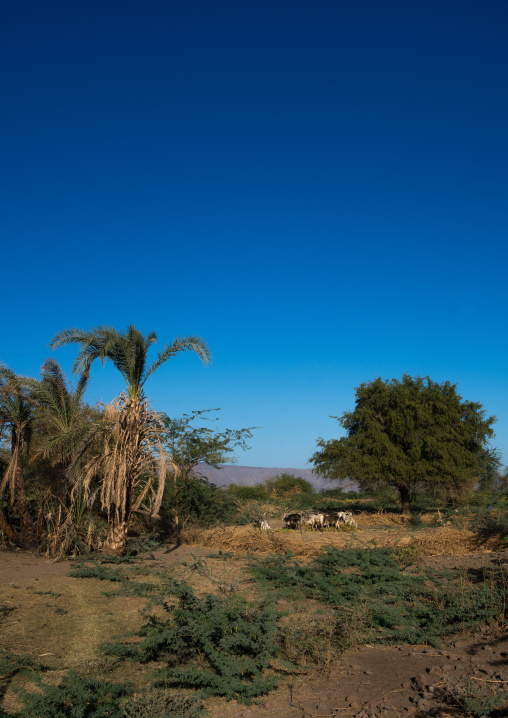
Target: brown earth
x,y
62,621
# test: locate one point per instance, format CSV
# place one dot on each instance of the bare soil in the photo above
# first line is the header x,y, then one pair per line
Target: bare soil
x,y
62,621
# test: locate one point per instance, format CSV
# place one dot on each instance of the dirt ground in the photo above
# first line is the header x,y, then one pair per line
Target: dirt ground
x,y
365,682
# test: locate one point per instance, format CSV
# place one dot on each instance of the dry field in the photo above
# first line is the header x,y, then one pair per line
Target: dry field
x,y
374,531
62,621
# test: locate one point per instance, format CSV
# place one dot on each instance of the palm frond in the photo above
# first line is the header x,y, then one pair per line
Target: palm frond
x,y
180,344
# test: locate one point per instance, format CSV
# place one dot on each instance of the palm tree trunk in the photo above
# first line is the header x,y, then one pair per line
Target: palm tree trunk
x,y
27,525
119,526
117,538
7,529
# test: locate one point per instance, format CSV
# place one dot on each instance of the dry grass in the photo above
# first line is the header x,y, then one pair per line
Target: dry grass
x,y
436,541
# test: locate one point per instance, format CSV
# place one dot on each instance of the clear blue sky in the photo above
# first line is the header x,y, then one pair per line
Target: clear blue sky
x,y
318,189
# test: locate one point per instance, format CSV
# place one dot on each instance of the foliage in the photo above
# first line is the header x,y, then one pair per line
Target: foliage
x,y
197,500
487,523
477,700
190,445
191,495
69,531
11,665
16,417
128,351
287,485
65,422
103,573
248,493
221,647
300,502
377,601
410,434
74,697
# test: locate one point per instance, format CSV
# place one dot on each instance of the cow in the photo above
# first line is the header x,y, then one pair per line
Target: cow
x,y
292,521
315,520
329,520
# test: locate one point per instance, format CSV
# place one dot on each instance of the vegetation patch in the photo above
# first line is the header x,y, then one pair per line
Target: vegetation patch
x,y
377,601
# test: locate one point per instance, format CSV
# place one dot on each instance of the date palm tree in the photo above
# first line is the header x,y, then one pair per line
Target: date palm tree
x,y
16,417
128,459
67,430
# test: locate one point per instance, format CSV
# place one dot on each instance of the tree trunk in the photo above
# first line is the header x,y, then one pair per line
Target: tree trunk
x,y
117,539
405,499
119,525
8,530
27,525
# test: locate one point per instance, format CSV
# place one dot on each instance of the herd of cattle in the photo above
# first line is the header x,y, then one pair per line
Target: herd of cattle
x,y
314,520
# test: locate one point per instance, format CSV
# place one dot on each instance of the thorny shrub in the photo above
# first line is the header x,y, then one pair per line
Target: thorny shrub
x,y
221,648
375,600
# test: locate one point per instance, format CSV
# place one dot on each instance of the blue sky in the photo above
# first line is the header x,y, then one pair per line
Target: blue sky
x,y
319,190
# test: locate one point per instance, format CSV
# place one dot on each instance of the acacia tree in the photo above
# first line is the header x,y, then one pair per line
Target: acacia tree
x,y
189,444
132,429
16,417
409,434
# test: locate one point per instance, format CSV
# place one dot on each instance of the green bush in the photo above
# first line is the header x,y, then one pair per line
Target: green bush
x,y
201,502
487,523
75,697
11,665
248,493
221,647
377,601
476,700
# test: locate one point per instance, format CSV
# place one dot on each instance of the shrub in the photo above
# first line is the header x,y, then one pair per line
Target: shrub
x,y
476,700
248,493
221,647
287,485
376,601
487,523
201,502
74,696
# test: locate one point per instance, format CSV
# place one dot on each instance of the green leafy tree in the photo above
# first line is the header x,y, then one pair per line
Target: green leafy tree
x,y
188,443
132,440
411,434
16,418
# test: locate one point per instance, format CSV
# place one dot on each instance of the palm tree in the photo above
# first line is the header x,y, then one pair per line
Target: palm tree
x,y
67,430
16,416
128,458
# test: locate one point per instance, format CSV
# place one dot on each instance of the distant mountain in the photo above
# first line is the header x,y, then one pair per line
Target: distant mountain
x,y
252,475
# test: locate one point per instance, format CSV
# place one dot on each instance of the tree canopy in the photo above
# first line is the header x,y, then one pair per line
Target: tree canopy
x,y
411,434
190,443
